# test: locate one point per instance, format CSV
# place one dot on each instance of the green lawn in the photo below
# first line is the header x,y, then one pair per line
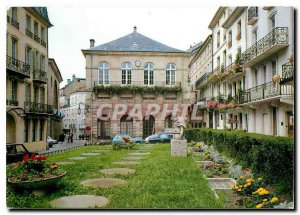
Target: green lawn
x,y
160,181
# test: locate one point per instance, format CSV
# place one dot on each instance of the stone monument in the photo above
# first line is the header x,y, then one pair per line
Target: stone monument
x,y
178,143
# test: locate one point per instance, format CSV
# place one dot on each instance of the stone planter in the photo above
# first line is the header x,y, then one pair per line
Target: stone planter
x,y
38,184
221,183
204,164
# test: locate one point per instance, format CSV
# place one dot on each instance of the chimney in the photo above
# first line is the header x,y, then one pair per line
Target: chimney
x,y
134,29
68,81
73,77
92,43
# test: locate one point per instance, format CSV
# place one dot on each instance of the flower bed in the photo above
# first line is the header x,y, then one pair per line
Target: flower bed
x,y
125,143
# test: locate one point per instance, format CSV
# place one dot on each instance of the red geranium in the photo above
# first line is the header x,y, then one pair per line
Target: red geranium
x,y
26,158
246,170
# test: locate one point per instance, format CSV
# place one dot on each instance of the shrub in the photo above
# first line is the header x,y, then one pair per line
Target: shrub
x,y
269,156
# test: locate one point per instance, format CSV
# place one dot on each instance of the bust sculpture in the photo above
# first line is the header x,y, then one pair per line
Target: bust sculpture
x,y
179,125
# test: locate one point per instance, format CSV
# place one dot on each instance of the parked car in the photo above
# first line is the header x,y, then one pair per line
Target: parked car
x,y
50,142
118,138
159,138
16,152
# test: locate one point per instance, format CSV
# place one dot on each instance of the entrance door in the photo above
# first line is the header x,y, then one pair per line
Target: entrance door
x,y
126,125
290,119
210,119
148,126
10,129
274,114
103,129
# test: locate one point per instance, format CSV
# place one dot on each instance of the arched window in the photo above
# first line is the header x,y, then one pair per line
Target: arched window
x,y
126,73
170,74
148,74
168,122
148,126
103,128
103,73
126,125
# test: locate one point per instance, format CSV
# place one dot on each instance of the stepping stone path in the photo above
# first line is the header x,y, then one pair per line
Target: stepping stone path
x,y
80,201
77,158
103,182
65,163
127,163
132,158
90,154
121,171
99,151
139,153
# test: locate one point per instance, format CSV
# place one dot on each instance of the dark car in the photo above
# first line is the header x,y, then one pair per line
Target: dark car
x,y
15,152
159,138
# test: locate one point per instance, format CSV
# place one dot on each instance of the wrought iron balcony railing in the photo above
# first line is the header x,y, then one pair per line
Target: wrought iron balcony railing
x,y
201,80
12,102
287,72
202,102
29,33
140,83
278,36
34,107
43,43
265,91
14,23
36,38
40,75
252,15
217,69
17,66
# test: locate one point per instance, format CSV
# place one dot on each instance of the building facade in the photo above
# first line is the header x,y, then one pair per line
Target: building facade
x,y
134,61
27,110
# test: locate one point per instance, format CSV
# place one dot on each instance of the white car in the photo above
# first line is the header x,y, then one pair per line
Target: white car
x,y
50,142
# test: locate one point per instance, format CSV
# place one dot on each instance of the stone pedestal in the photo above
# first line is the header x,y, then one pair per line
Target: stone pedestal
x,y
178,147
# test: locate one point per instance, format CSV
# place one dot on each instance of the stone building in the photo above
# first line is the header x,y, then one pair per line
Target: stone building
x,y
134,61
27,110
54,79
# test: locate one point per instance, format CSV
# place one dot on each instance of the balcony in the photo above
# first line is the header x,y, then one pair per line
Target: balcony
x,y
37,39
274,41
217,69
43,43
140,83
14,23
201,103
38,108
39,76
287,73
29,33
12,102
201,82
17,67
267,91
252,15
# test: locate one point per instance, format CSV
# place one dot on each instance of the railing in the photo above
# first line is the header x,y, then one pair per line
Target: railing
x,y
265,91
140,83
40,75
252,13
288,71
29,33
14,23
202,102
278,36
12,102
217,69
36,38
34,107
17,66
201,80
43,43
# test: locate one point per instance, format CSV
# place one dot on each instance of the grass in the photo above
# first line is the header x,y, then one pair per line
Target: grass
x,y
160,181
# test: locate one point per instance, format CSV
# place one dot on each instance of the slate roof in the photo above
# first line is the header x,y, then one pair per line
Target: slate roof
x,y
135,42
43,13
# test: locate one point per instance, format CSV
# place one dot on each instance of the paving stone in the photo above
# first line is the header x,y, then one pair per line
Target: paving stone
x,y
139,153
65,163
132,158
77,158
90,154
103,182
121,171
125,163
100,151
80,201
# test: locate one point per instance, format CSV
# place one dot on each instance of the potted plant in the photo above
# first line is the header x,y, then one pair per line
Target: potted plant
x,y
34,172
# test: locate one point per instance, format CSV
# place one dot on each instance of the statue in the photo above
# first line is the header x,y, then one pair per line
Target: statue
x,y
179,125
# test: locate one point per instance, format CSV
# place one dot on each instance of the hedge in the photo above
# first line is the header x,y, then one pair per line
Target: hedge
x,y
269,156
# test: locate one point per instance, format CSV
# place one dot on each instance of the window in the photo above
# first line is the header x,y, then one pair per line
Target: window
x,y
14,13
42,95
273,21
37,62
35,94
218,39
170,74
126,73
230,38
224,58
274,70
239,29
36,28
14,87
34,124
28,55
168,122
255,77
265,74
42,63
28,93
126,125
28,22
148,74
230,59
225,89
43,33
224,36
103,129
26,130
14,48
218,61
103,73
254,36
41,129
218,89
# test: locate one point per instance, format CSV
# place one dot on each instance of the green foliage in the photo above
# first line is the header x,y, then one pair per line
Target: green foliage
x,y
269,156
118,89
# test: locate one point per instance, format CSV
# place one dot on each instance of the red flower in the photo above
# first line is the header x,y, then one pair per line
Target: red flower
x,y
40,157
246,170
26,158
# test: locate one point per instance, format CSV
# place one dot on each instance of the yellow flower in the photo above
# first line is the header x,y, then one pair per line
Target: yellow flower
x,y
239,190
259,205
241,177
249,184
265,200
249,180
260,179
274,199
245,185
240,186
253,193
232,186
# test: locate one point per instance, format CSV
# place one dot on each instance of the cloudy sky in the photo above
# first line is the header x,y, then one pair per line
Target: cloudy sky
x,y
178,27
